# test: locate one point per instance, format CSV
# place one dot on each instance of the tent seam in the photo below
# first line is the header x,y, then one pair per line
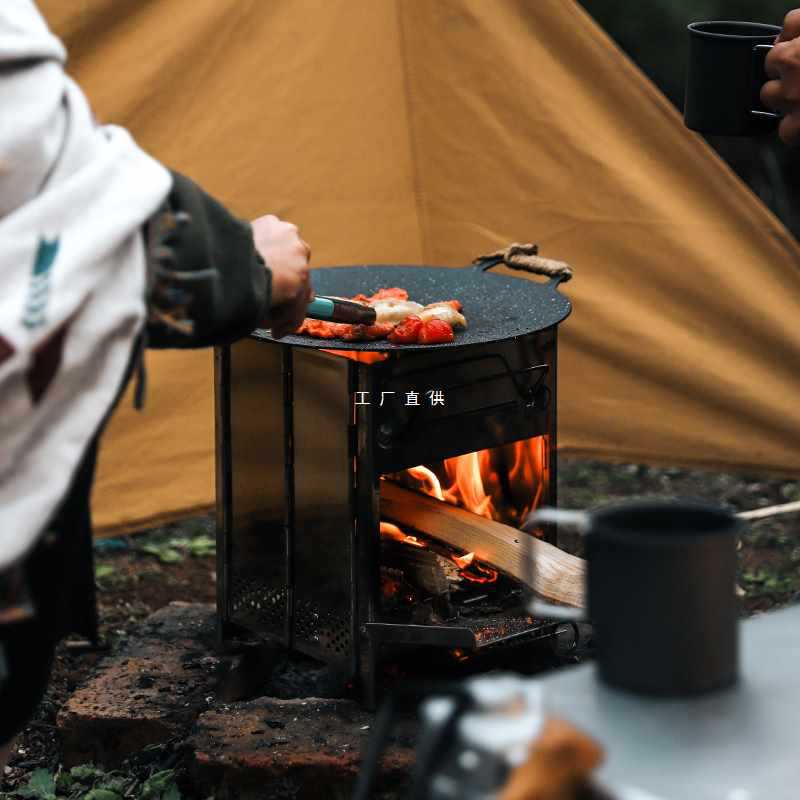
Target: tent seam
x,y
143,522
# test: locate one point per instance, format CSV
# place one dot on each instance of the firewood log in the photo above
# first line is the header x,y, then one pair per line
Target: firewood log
x,y
558,576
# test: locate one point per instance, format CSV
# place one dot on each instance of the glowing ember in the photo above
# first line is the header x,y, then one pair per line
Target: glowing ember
x,y
390,588
469,568
473,570
479,573
391,531
462,562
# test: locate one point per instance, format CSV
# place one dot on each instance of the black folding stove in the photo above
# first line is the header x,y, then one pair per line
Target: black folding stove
x,y
305,437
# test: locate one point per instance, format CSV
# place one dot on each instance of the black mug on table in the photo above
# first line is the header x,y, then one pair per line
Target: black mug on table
x,y
661,594
725,75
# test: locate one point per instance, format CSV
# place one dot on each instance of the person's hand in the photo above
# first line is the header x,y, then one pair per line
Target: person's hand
x,y
783,66
287,256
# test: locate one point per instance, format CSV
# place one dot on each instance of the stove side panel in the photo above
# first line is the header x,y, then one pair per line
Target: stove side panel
x,y
253,590
323,557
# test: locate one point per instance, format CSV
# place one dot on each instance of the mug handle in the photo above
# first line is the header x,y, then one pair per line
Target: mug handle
x,y
760,77
580,520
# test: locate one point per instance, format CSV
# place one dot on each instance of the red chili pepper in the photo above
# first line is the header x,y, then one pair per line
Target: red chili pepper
x,y
407,332
435,331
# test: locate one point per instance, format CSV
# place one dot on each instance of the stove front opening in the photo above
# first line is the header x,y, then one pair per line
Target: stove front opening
x,y
503,483
452,552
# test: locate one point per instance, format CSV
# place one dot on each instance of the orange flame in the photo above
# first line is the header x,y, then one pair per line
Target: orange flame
x,y
391,531
468,566
474,571
430,483
503,483
462,562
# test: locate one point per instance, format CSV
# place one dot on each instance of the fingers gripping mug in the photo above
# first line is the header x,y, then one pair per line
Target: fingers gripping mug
x,y
725,74
661,593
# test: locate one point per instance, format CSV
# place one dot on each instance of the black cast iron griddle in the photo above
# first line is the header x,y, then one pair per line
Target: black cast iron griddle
x,y
497,307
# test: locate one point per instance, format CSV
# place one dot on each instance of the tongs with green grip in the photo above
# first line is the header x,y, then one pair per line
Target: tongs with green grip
x,y
335,309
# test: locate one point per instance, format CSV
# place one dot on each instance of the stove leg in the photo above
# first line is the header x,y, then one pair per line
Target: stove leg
x,y
368,679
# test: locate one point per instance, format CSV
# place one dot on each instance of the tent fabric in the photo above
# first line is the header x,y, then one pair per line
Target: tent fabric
x,y
408,131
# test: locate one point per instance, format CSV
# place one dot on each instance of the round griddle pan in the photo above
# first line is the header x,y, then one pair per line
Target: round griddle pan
x,y
496,306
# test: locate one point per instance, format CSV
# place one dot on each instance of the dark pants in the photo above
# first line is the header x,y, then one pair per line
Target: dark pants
x,y
60,577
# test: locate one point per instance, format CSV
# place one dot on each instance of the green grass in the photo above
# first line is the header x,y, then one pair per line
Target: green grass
x,y
87,782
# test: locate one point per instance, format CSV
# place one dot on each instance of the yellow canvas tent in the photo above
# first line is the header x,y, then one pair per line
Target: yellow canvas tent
x,y
430,132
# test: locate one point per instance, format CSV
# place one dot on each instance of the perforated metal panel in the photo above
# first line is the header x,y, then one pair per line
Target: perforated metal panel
x,y
253,539
324,631
252,600
256,605
324,514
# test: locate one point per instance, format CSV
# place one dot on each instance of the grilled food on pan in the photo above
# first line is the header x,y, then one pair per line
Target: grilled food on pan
x,y
398,319
446,312
394,311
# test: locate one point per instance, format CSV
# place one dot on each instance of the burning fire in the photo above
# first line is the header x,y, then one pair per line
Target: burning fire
x,y
463,562
391,531
470,568
473,570
503,483
430,483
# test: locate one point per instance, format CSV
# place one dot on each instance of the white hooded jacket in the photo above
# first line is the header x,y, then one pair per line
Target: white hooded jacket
x,y
73,198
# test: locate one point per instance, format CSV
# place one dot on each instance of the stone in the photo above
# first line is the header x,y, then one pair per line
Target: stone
x,y
163,685
147,693
300,748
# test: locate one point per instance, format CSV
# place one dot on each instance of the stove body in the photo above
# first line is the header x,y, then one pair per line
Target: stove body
x,y
304,438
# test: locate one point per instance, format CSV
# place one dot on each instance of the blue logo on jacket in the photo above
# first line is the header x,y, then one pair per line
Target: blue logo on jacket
x,y
39,288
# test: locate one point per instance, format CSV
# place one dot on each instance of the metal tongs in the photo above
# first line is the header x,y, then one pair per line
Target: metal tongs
x,y
337,309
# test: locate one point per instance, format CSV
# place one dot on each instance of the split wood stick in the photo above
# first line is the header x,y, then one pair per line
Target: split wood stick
x,y
771,511
559,576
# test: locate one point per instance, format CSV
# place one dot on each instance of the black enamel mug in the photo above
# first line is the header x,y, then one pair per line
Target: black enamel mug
x,y
725,75
661,594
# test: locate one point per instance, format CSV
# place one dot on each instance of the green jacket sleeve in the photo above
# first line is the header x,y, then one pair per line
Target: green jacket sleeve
x,y
203,272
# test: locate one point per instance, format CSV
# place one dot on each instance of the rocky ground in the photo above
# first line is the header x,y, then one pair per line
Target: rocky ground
x,y
139,574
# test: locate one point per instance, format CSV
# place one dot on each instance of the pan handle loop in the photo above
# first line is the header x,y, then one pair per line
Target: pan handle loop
x,y
526,258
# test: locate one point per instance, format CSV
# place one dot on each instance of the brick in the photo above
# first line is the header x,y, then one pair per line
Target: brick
x,y
149,692
300,749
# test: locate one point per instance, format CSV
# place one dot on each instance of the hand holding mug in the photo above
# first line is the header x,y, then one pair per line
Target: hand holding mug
x,y
782,93
726,73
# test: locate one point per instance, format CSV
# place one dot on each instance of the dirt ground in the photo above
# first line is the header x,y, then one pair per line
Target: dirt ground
x,y
769,551
137,575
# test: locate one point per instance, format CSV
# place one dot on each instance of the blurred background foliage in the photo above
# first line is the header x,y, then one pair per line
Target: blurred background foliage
x,y
653,34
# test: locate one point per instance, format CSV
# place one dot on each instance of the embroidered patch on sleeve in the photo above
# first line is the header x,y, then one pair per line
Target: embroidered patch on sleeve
x,y
39,287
